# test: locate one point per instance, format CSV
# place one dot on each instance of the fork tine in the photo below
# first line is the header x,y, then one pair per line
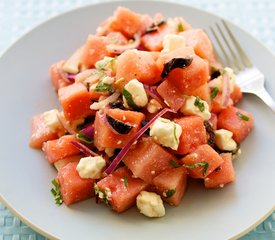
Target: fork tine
x,y
243,55
238,64
230,63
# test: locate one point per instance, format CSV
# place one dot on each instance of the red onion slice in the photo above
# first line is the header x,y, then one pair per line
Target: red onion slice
x,y
65,124
88,131
118,49
152,92
126,148
85,150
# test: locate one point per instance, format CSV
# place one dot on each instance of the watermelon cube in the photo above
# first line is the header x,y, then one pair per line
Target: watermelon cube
x,y
171,185
147,159
74,188
201,162
222,175
120,189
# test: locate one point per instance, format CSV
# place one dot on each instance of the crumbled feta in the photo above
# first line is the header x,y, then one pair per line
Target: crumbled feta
x,y
109,151
172,42
150,204
107,63
224,140
137,91
166,133
52,121
153,106
91,167
190,107
108,80
219,81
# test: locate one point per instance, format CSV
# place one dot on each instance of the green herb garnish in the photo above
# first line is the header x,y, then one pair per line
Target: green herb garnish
x,y
84,138
242,116
180,27
199,104
125,181
205,166
101,194
214,92
174,163
170,193
103,87
56,192
129,99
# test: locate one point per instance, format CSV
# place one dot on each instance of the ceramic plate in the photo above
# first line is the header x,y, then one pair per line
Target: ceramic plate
x,y
25,176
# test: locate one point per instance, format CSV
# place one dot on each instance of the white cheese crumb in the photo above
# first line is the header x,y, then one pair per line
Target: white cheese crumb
x,y
191,108
91,167
153,106
172,42
138,93
109,151
224,140
52,121
166,133
150,204
107,63
108,80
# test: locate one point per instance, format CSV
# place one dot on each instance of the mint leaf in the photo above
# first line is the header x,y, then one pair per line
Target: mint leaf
x,y
174,164
129,99
180,27
56,192
103,87
84,138
199,104
170,193
214,93
205,166
242,116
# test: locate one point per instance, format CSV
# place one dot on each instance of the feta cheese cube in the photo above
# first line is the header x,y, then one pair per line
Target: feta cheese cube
x,y
52,121
150,204
91,167
224,140
166,133
172,42
196,106
138,93
153,106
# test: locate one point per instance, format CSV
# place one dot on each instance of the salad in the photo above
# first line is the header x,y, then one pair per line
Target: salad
x,y
144,107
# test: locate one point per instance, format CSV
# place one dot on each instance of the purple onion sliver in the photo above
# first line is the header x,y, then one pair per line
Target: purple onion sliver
x,y
85,150
88,131
126,148
154,94
71,77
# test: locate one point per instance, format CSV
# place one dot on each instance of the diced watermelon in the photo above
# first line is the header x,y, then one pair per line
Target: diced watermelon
x,y
222,175
75,101
203,92
125,21
193,133
140,65
153,41
172,96
117,38
203,154
94,50
171,185
61,148
147,159
40,132
238,121
105,137
74,188
202,45
236,95
121,189
189,78
56,78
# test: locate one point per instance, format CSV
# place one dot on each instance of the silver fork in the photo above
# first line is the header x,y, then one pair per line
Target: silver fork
x,y
248,77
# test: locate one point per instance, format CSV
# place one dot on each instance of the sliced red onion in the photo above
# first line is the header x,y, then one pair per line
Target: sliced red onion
x,y
154,94
126,148
213,120
88,131
71,77
225,90
85,150
118,49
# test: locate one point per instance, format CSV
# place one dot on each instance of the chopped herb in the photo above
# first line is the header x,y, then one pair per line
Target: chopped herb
x,y
170,193
242,116
84,138
180,27
211,133
205,166
214,92
199,104
125,181
103,87
118,126
56,192
175,63
174,163
129,99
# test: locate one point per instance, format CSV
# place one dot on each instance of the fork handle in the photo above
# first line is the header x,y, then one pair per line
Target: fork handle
x,y
264,95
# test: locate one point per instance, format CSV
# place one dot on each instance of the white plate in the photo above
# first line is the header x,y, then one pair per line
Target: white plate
x,y
25,176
